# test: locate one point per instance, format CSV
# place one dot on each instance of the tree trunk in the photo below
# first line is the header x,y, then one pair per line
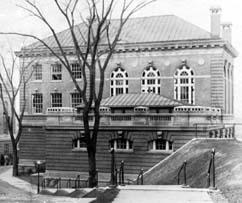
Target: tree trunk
x,y
15,160
92,167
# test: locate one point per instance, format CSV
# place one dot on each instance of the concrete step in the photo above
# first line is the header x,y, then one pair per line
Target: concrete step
x,y
162,193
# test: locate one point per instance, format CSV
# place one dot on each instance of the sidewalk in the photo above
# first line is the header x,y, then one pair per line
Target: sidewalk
x,y
163,193
17,182
25,186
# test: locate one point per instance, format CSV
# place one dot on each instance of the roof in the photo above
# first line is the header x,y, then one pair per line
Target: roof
x,y
142,99
143,29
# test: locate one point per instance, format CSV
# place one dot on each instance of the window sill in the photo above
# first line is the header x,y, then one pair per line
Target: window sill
x,y
36,81
153,151
56,81
79,150
123,150
77,79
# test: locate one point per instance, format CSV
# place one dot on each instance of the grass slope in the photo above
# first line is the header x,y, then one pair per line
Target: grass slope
x,y
228,163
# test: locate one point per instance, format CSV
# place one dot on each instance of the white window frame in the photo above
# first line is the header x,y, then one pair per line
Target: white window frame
x,y
154,146
75,99
56,71
34,109
37,72
78,145
151,84
119,82
128,147
60,104
76,71
181,82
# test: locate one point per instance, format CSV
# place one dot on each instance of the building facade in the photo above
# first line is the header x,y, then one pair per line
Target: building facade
x,y
168,82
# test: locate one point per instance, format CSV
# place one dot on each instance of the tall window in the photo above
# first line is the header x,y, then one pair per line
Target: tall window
x,y
37,103
119,82
56,72
56,100
75,99
184,88
150,81
37,72
76,70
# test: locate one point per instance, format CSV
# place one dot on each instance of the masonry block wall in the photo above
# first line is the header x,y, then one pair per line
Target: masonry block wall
x,y
55,146
207,64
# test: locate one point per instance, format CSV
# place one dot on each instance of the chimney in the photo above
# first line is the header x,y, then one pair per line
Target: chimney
x,y
215,21
226,31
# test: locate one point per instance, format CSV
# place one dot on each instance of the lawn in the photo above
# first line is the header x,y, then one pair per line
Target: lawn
x,y
228,164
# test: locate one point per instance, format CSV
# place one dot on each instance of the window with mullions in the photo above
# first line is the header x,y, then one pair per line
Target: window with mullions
x,y
121,144
56,100
76,99
160,144
56,72
79,143
184,85
37,72
76,70
119,82
150,81
37,103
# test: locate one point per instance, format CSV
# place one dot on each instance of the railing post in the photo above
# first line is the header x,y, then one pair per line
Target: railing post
x,y
60,183
116,177
184,171
57,183
112,166
209,172
142,178
122,172
213,166
97,176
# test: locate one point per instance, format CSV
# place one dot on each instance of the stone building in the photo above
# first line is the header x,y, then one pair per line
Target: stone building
x,y
168,82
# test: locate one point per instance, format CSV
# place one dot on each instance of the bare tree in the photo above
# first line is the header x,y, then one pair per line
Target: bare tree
x,y
11,87
94,42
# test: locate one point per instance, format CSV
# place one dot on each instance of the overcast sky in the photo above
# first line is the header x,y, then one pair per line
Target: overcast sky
x,y
13,18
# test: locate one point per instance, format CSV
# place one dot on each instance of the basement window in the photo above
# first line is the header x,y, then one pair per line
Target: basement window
x,y
160,145
121,144
79,144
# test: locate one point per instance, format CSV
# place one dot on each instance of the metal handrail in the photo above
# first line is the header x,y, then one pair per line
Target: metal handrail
x,y
121,173
183,167
211,167
140,177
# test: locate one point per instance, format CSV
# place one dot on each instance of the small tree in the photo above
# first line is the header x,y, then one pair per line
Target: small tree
x,y
11,87
94,42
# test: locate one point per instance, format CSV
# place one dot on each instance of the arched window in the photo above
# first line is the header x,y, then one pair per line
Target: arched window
x,y
184,86
150,80
119,82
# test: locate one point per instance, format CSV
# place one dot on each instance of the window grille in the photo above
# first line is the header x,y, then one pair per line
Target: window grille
x,y
76,70
37,103
56,100
150,81
76,99
119,82
37,72
56,72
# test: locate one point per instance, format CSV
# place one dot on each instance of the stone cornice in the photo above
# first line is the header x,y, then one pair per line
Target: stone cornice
x,y
142,47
